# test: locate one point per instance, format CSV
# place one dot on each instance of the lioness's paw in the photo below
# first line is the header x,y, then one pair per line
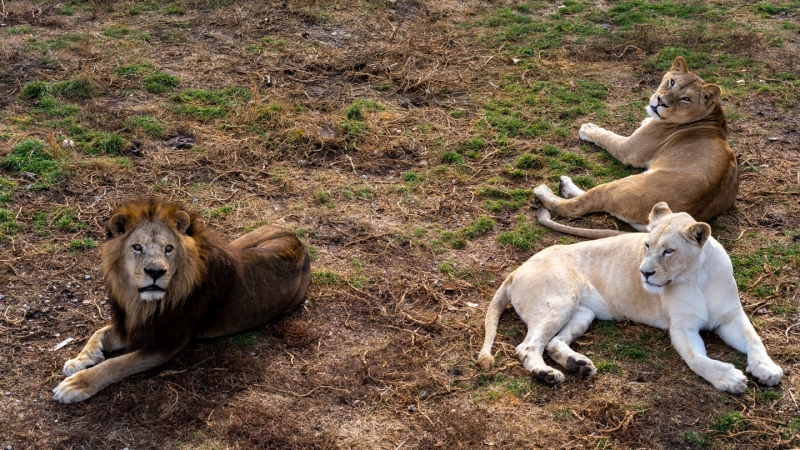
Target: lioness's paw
x,y
586,130
81,362
544,194
732,380
547,375
766,372
73,389
542,215
486,361
581,366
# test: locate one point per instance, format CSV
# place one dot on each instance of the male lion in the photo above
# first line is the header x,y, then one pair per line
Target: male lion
x,y
675,277
683,146
170,280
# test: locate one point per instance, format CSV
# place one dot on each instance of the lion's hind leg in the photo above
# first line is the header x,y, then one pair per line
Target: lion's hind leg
x,y
544,321
559,350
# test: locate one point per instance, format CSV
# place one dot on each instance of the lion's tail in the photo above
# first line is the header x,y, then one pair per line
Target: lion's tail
x,y
543,216
496,307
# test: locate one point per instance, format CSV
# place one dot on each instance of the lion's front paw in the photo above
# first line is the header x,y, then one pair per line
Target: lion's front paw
x,y
547,375
586,131
73,389
766,372
732,380
81,362
486,361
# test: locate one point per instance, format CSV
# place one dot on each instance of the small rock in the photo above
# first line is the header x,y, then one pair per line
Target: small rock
x,y
740,82
761,82
302,161
8,392
68,143
87,277
773,139
30,176
412,408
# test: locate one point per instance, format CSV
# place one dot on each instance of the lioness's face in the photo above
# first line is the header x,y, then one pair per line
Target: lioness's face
x,y
150,259
672,250
682,96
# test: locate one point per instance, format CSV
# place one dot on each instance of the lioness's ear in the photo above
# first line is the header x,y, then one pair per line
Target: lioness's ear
x,y
698,232
183,221
711,92
660,210
679,65
116,225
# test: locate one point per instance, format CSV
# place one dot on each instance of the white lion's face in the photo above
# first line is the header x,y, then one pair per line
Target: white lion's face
x,y
672,251
151,259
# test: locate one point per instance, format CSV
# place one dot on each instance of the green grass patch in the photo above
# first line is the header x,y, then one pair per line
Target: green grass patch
x,y
749,267
479,227
8,224
502,199
731,422
32,155
134,71
524,236
159,82
82,244
700,440
245,341
147,123
215,213
207,104
7,187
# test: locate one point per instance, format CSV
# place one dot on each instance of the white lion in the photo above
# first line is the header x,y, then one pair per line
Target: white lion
x,y
675,277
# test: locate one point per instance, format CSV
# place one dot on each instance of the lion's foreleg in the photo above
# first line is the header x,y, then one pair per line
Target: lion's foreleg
x,y
105,339
559,349
740,334
631,150
690,346
86,383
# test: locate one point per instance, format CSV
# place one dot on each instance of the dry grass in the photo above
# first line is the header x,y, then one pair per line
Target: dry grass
x,y
382,355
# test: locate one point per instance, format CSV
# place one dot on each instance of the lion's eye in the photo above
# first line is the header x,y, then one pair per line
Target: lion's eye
x,y
671,82
646,246
686,99
668,251
137,247
168,249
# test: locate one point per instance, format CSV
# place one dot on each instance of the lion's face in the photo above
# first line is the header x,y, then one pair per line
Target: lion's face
x,y
682,96
673,248
149,255
150,258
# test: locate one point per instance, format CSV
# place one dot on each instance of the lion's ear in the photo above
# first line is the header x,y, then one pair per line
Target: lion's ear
x,y
116,225
711,93
679,65
699,233
660,210
183,221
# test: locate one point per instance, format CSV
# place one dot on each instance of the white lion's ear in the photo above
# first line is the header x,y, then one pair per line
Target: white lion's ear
x,y
659,211
183,221
116,225
699,233
711,93
679,65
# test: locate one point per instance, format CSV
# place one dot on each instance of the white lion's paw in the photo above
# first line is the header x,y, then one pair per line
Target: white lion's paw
x,y
81,362
586,130
72,390
732,380
766,372
486,361
548,375
568,188
544,194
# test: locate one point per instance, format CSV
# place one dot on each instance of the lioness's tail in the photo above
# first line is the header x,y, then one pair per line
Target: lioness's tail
x,y
543,216
493,313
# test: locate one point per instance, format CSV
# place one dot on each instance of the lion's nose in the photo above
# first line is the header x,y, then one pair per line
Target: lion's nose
x,y
646,275
155,273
